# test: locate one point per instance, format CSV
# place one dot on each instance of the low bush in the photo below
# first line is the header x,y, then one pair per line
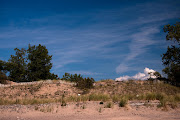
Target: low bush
x,y
123,102
163,103
81,83
109,105
3,78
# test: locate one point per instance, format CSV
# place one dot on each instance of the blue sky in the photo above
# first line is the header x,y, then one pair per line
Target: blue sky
x,y
97,38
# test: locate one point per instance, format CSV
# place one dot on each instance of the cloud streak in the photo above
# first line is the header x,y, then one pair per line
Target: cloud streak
x,y
107,40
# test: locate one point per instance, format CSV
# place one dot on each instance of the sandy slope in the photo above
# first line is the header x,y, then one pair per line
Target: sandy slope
x,y
91,111
83,111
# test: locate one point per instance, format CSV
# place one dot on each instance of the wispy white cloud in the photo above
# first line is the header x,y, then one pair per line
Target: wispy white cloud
x,y
138,46
85,73
146,27
122,68
115,35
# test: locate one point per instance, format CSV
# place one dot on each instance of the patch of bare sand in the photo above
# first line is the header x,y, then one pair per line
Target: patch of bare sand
x,y
85,111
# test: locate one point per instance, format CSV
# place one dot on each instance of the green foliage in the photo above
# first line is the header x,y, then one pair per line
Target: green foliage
x,y
29,65
53,76
163,103
157,74
150,96
171,59
123,102
82,83
99,97
71,77
173,32
86,83
3,66
40,63
17,66
3,78
67,77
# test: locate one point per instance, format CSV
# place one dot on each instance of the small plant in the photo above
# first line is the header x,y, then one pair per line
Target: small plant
x,y
83,107
109,105
3,78
100,110
63,102
123,102
172,102
163,103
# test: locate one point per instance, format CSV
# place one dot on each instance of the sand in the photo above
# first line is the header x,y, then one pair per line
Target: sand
x,y
86,111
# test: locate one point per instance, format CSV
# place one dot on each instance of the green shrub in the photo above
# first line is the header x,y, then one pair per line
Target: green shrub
x,y
3,78
86,83
123,102
81,83
163,103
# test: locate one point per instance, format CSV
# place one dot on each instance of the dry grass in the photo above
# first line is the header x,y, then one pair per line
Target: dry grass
x,y
26,101
104,90
108,105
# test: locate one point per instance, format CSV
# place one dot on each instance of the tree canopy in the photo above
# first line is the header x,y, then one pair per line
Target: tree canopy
x,y
171,59
16,65
29,65
39,63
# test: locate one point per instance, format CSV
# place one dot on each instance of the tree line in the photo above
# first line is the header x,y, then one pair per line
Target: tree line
x,y
34,64
28,65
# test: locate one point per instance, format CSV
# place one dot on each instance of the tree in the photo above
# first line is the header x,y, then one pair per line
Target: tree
x,y
3,76
171,59
71,77
81,83
86,83
28,65
39,63
67,77
173,32
157,74
3,66
17,66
